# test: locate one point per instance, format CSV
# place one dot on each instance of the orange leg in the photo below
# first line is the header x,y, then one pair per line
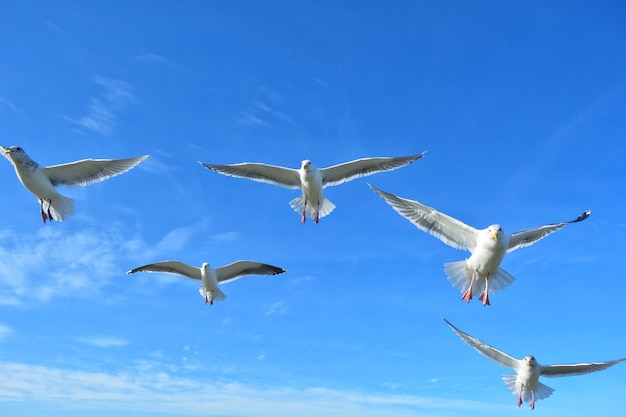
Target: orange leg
x,y
485,295
467,295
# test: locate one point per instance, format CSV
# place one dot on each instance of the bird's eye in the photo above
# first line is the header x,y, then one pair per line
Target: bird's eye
x,y
18,149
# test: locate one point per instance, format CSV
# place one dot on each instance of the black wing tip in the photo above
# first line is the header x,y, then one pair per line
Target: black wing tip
x,y
419,155
582,217
276,270
446,320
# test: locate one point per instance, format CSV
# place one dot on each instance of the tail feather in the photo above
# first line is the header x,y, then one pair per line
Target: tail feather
x,y
511,383
61,207
216,294
542,391
326,207
460,276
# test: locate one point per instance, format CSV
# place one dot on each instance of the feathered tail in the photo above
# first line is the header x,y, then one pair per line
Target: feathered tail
x,y
460,276
541,391
325,208
215,295
61,207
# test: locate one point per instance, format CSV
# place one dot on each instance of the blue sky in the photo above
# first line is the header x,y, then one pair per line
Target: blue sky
x,y
520,105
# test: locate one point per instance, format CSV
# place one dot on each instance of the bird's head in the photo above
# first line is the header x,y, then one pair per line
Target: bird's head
x,y
14,153
306,165
530,360
204,266
495,231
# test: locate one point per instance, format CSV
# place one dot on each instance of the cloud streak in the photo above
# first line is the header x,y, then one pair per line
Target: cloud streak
x,y
75,264
103,341
160,392
104,109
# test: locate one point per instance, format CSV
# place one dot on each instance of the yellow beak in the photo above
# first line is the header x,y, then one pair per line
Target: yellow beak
x,y
495,235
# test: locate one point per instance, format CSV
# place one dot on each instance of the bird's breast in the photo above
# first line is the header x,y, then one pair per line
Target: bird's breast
x,y
486,258
37,183
311,184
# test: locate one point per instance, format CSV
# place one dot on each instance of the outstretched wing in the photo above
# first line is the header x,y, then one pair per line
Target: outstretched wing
x,y
484,349
338,174
529,236
553,371
170,267
89,171
448,229
284,177
239,269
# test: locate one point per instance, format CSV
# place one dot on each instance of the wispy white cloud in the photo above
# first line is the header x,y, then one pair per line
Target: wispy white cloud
x,y
152,58
170,245
104,109
103,341
226,237
4,331
5,103
76,264
272,112
251,120
299,281
265,111
277,308
158,391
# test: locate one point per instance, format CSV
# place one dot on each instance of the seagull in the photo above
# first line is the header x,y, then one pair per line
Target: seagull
x,y
481,271
209,276
42,181
525,385
312,180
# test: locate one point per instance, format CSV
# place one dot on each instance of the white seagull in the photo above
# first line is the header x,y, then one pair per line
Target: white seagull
x,y
525,385
312,180
480,272
42,181
209,276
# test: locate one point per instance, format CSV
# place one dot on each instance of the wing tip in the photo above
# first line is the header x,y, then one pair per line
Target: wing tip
x,y
583,216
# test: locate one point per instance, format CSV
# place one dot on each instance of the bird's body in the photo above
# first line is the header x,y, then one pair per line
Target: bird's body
x,y
42,181
211,277
525,384
480,272
311,180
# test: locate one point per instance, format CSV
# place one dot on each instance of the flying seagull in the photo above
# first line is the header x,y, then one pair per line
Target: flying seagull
x,y
210,277
312,180
42,181
525,385
480,272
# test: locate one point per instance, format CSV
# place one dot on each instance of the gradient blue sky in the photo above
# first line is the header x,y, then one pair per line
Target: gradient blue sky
x,y
520,105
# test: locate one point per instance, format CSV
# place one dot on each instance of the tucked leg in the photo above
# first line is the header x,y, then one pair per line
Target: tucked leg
x,y
317,213
519,400
303,214
50,205
532,400
44,216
